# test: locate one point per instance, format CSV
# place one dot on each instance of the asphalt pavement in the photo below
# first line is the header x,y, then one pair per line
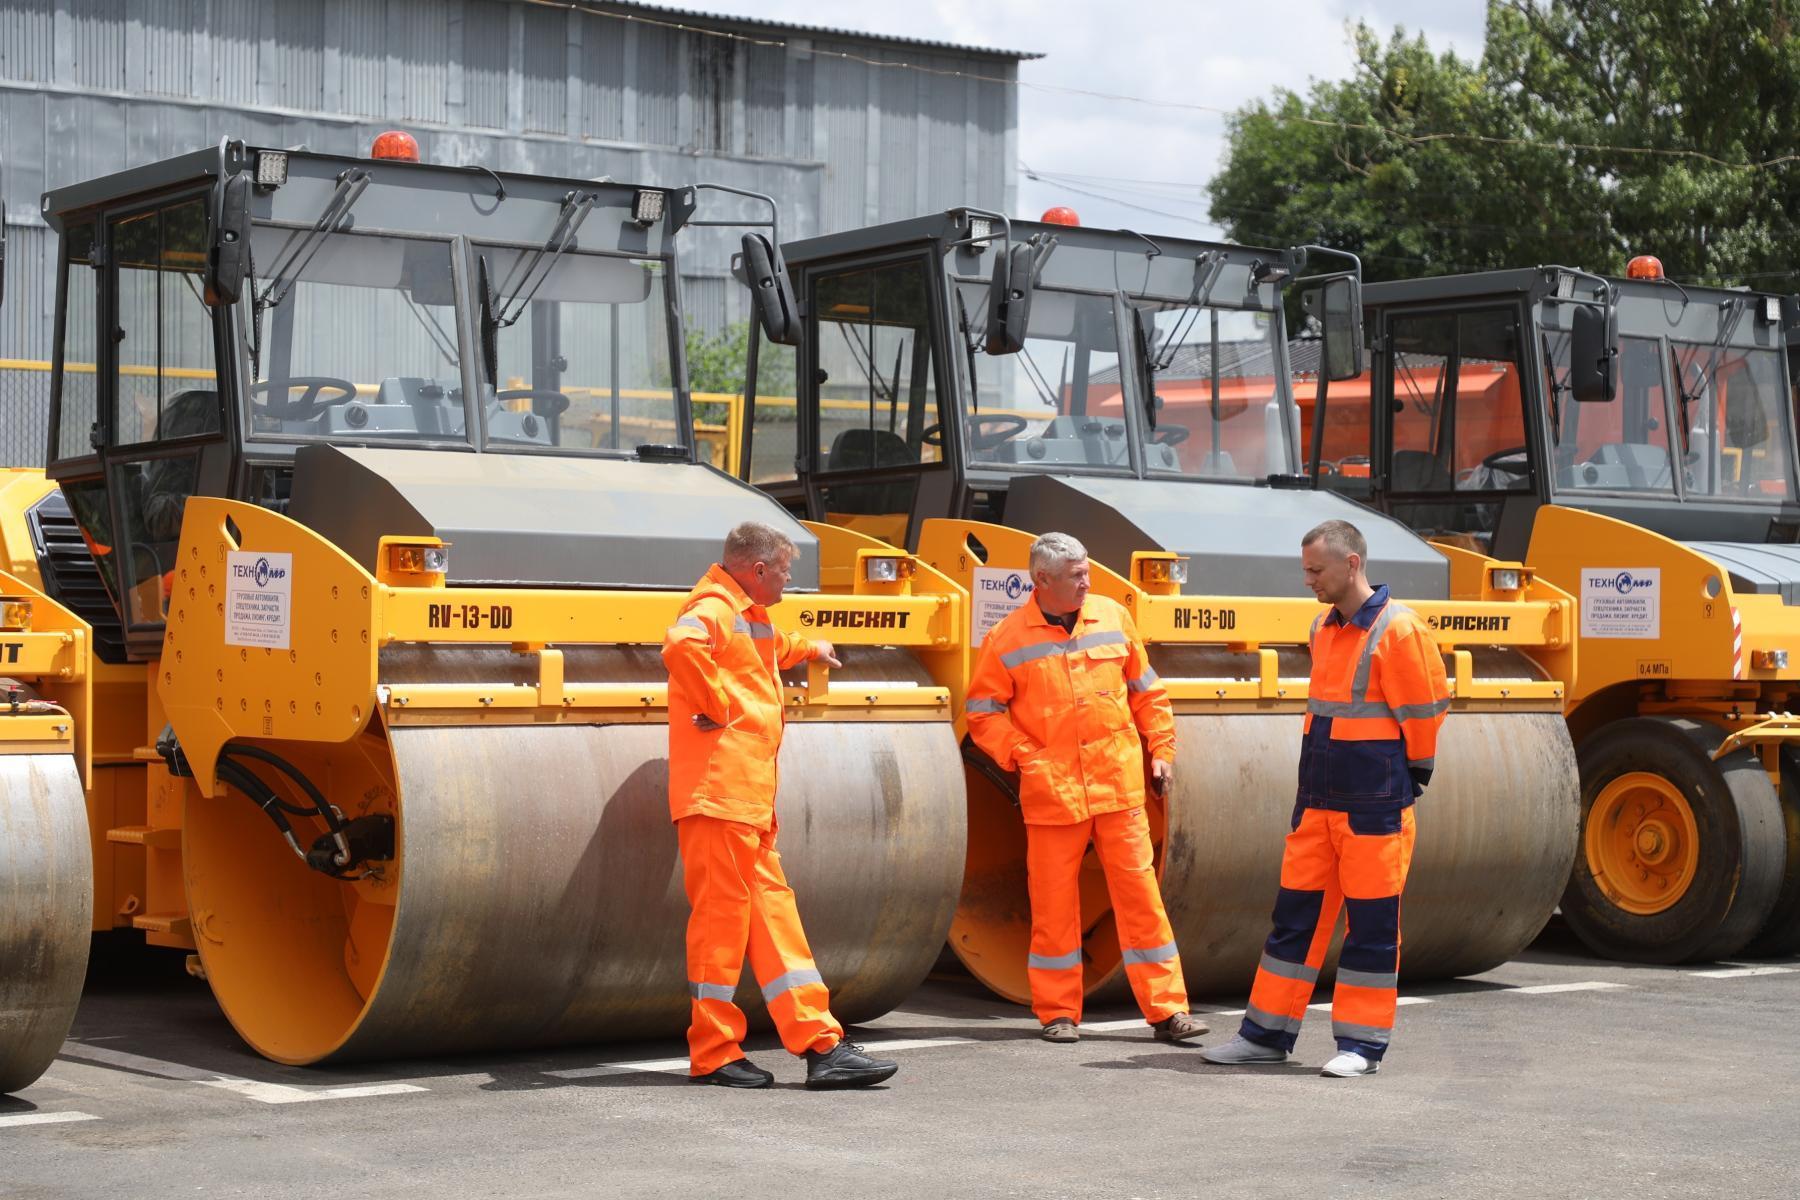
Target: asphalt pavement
x,y
1555,1075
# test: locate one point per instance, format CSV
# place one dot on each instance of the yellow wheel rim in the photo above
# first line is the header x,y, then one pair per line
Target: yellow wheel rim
x,y
1642,844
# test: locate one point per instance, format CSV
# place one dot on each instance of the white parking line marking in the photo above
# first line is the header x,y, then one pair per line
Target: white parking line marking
x,y
679,1066
1403,1001
45,1118
1549,989
1742,972
250,1089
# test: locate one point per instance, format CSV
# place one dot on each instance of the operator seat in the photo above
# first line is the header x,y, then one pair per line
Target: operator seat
x,y
867,450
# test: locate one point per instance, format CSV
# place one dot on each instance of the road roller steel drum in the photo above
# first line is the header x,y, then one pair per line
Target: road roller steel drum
x,y
46,841
1497,826
529,892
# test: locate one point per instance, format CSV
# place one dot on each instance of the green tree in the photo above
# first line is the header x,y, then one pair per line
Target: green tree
x,y
720,362
1578,137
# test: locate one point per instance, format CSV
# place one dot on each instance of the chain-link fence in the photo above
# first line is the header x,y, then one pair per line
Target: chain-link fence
x,y
24,412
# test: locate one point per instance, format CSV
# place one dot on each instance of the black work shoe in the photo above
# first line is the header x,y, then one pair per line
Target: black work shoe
x,y
846,1066
738,1073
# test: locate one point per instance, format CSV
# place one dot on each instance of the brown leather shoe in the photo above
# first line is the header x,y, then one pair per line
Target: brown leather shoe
x,y
1061,1030
1180,1028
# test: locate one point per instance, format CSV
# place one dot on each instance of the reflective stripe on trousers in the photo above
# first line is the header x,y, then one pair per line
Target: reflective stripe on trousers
x,y
1147,944
741,901
1327,866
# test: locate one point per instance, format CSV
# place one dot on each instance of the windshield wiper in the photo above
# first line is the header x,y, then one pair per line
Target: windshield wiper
x,y
289,264
575,209
495,317
1207,269
1733,312
969,348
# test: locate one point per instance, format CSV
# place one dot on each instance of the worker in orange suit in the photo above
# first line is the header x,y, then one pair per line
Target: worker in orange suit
x,y
1377,699
1063,693
725,722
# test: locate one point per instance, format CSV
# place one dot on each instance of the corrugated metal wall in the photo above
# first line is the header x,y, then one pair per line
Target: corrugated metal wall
x,y
90,86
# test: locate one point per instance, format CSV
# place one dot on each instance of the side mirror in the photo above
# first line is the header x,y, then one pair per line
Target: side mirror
x,y
771,291
1593,350
1341,315
1009,299
227,258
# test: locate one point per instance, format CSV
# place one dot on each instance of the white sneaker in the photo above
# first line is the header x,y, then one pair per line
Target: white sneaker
x,y
1240,1050
1348,1065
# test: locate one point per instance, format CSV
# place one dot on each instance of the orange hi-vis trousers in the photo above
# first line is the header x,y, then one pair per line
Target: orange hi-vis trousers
x,y
740,898
1355,861
1053,857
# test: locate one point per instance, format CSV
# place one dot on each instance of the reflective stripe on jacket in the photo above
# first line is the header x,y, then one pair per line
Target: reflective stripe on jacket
x,y
1065,709
724,660
1377,699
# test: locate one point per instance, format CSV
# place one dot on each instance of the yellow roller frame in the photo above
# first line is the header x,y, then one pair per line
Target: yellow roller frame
x,y
1536,618
324,685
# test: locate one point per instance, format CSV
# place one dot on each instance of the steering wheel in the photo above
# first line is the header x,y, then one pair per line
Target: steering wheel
x,y
1007,426
1170,435
308,405
544,402
1499,460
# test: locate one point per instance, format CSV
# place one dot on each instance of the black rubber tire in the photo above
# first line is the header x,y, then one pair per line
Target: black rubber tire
x,y
1780,934
1742,845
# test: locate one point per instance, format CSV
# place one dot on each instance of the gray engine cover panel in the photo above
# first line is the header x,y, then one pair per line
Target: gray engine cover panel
x,y
1241,541
536,520
1758,569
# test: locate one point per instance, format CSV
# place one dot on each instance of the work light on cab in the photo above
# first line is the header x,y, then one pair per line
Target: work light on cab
x,y
1644,266
1060,215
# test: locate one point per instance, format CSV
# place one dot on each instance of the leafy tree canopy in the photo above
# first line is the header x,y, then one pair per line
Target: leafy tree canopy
x,y
1588,131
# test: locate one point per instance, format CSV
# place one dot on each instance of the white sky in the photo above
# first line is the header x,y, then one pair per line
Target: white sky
x,y
1218,53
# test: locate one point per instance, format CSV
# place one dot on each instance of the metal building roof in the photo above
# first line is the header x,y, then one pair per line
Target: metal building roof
x,y
659,11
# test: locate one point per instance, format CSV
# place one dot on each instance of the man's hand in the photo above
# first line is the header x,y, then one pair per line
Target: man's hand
x,y
1162,773
826,653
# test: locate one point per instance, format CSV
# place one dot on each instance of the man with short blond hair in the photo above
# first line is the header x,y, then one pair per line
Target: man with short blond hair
x,y
1064,694
725,722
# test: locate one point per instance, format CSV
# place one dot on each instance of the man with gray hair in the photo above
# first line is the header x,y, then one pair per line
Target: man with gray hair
x,y
725,721
1063,693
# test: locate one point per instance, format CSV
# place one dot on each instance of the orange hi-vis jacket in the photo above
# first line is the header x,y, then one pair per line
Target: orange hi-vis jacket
x,y
725,660
1377,699
1066,709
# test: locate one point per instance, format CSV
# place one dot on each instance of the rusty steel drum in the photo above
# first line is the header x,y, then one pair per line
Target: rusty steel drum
x,y
537,898
46,908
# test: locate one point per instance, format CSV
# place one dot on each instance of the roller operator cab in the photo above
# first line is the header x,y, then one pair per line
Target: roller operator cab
x,y
1630,440
387,469
963,382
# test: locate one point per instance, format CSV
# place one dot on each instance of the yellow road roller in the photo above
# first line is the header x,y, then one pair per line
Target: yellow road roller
x,y
385,470
964,382
47,876
1631,440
